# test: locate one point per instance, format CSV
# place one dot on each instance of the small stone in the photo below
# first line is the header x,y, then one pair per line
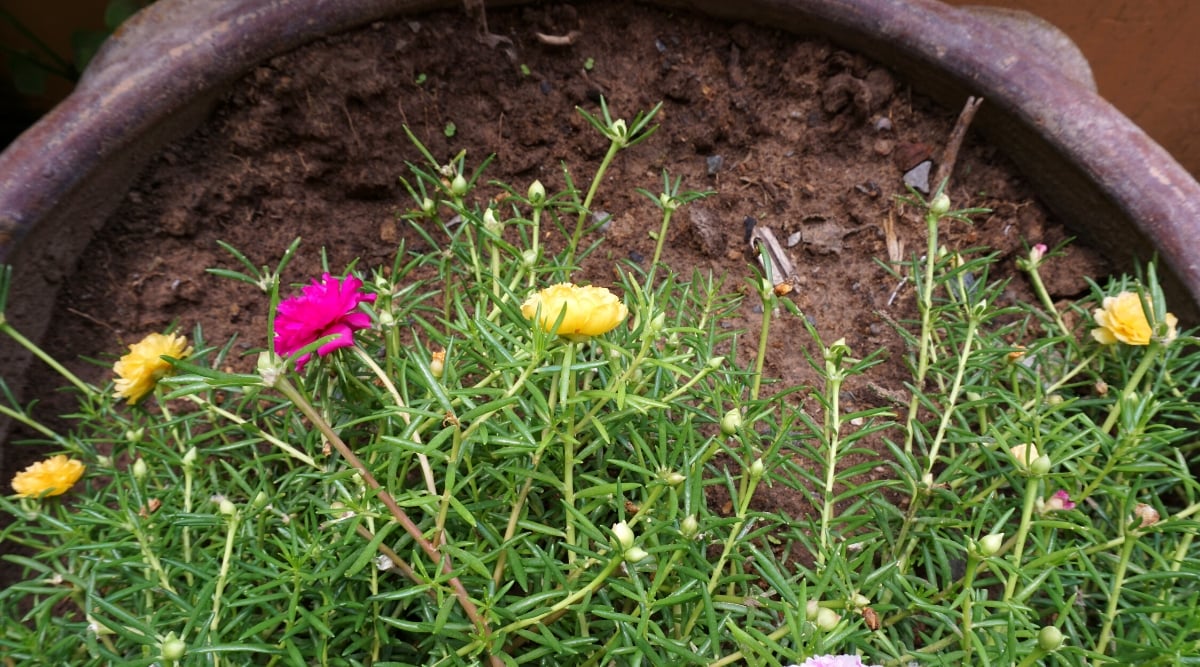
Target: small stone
x,y
884,147
604,219
883,124
714,164
918,177
636,257
793,239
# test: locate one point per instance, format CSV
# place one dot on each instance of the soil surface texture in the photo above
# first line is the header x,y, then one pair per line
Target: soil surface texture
x,y
794,135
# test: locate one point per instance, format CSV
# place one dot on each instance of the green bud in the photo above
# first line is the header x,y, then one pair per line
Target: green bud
x,y
135,435
811,609
656,325
674,478
227,507
536,193
172,647
428,206
689,527
140,469
458,186
757,469
624,535
731,422
827,619
269,368
1050,638
619,130
989,545
715,362
189,457
528,258
635,554
490,222
260,500
940,205
1040,466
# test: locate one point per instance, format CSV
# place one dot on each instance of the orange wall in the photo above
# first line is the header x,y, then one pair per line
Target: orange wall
x,y
1142,56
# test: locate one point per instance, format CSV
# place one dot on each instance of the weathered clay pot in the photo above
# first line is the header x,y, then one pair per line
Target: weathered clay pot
x,y
159,76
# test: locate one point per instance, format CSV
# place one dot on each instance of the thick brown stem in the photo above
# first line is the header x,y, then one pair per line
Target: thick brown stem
x,y
950,154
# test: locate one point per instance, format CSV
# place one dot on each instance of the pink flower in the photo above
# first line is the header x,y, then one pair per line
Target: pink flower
x,y
1061,500
327,307
833,661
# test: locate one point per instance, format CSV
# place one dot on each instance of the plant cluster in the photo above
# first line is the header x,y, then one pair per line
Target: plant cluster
x,y
467,458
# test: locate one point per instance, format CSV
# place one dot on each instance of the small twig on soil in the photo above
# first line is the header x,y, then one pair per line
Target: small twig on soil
x,y
559,40
950,154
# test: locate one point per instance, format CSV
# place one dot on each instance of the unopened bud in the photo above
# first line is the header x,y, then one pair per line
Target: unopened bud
x,y
757,469
674,478
940,205
989,545
731,422
427,206
536,193
172,647
135,435
827,619
260,500
490,222
1041,465
140,469
189,457
656,324
1049,638
227,507
635,554
689,527
811,609
437,364
458,186
624,535
715,362
528,258
1146,515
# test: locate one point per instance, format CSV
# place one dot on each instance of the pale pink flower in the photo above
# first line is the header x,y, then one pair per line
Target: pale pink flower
x,y
327,307
1061,500
833,661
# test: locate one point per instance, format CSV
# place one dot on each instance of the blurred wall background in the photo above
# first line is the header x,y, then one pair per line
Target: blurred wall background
x,y
1140,52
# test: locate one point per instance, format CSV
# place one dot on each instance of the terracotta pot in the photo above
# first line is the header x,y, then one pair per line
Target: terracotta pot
x,y
160,75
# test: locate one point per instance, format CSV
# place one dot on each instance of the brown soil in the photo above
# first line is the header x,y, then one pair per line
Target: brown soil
x,y
804,138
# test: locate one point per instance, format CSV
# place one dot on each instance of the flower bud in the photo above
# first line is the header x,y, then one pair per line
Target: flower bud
x,y
624,535
757,469
674,478
811,609
1036,253
135,435
656,324
715,362
536,193
172,647
619,129
189,457
1024,455
689,527
437,364
989,545
940,205
827,619
490,222
1040,466
458,186
1049,638
860,600
731,422
260,500
428,206
140,469
227,507
635,554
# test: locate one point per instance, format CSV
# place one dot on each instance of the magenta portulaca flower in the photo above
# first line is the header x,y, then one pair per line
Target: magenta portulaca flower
x,y
833,661
327,307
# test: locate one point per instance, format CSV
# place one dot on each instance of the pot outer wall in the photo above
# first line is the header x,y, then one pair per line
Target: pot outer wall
x,y
161,74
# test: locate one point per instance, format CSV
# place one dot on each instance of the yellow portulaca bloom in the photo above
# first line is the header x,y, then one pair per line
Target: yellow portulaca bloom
x,y
138,371
590,311
52,477
1024,454
1122,319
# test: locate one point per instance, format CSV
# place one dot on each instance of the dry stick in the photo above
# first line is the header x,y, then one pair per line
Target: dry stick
x,y
460,591
950,154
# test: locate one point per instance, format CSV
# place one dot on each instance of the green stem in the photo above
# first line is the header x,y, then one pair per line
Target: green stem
x,y
1047,303
1134,380
567,391
1114,595
658,246
761,357
833,428
426,469
291,451
613,148
925,341
24,342
222,576
952,397
1031,494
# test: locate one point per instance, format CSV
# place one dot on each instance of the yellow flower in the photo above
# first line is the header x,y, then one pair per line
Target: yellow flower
x,y
590,311
1122,319
52,477
138,371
